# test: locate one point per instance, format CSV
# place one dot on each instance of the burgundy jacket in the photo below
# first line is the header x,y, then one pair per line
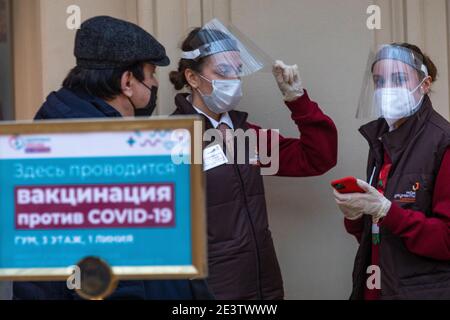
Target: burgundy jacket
x,y
242,260
415,234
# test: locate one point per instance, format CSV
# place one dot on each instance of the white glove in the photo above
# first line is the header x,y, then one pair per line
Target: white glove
x,y
372,203
288,79
350,213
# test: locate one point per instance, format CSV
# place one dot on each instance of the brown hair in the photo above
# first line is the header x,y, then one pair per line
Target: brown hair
x,y
432,70
178,78
197,38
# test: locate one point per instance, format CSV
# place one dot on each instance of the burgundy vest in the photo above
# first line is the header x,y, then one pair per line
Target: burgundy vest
x,y
416,150
242,260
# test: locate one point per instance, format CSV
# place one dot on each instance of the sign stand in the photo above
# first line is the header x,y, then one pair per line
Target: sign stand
x,y
97,279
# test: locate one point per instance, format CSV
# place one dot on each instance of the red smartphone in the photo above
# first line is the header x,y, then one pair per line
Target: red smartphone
x,y
347,185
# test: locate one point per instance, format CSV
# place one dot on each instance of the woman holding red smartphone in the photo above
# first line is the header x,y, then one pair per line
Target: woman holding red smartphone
x,y
402,220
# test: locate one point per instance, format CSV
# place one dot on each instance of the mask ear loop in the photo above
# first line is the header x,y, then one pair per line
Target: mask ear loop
x,y
417,106
424,69
206,79
419,86
153,97
132,104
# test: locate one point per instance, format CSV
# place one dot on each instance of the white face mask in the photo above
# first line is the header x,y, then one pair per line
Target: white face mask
x,y
225,96
396,103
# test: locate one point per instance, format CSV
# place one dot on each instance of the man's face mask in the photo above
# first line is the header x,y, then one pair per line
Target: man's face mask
x,y
151,106
225,96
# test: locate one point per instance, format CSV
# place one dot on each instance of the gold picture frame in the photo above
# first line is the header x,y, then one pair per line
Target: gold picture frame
x,y
199,267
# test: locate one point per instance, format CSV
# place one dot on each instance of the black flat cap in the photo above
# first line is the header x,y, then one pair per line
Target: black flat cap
x,y
105,43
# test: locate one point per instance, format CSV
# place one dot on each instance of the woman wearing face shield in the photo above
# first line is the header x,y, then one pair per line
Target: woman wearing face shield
x,y
242,260
402,221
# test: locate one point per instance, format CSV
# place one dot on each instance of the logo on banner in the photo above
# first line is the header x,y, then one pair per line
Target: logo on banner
x,y
159,139
30,145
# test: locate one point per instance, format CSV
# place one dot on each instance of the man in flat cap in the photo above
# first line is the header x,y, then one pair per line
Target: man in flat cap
x,y
114,77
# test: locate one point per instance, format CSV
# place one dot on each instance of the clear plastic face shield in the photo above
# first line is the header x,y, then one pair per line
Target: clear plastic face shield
x,y
393,85
229,52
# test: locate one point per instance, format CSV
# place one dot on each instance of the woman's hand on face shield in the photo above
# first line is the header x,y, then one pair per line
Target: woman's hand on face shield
x,y
288,79
372,203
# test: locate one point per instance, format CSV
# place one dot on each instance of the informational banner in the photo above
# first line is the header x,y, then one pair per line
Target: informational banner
x,y
110,190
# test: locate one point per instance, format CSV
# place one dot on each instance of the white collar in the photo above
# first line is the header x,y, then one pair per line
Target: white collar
x,y
226,119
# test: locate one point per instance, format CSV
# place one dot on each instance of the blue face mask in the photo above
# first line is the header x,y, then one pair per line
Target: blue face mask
x,y
225,96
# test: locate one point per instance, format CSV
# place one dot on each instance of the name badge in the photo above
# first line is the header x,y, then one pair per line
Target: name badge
x,y
213,157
